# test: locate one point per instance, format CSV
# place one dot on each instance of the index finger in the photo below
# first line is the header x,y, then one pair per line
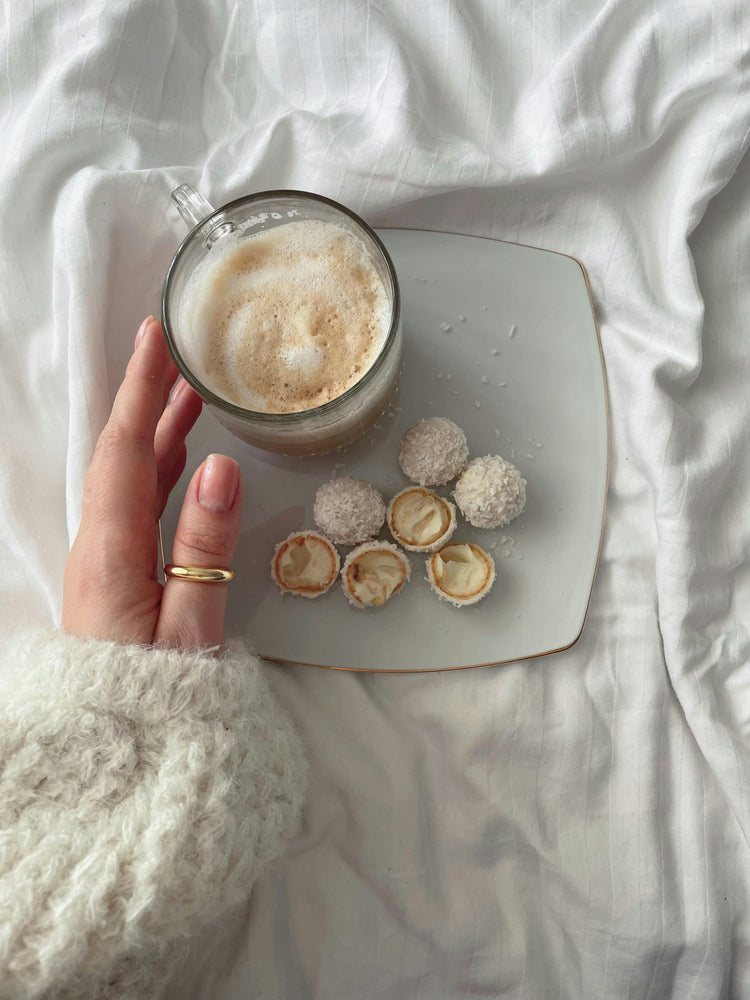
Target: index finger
x,y
121,484
141,398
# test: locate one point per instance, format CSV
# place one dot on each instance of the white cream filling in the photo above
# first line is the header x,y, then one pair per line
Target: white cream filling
x,y
460,570
420,518
375,576
306,564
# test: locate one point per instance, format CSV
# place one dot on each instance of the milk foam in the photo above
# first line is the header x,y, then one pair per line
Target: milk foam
x,y
287,319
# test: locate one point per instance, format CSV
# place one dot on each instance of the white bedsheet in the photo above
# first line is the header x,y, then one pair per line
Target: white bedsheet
x,y
575,826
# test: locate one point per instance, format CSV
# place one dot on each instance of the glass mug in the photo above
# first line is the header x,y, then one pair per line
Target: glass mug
x,y
305,432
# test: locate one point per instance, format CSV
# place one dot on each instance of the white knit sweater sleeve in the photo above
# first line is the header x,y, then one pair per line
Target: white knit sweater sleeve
x,y
141,793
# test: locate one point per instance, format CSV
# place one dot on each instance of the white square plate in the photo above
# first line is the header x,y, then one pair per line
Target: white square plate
x,y
502,339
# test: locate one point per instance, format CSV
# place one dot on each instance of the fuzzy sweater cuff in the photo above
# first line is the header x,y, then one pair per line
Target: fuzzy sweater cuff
x,y
142,791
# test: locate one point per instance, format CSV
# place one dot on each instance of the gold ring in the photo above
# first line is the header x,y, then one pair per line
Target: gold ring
x,y
199,574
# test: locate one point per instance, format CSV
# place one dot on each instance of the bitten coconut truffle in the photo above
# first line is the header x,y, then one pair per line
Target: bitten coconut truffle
x,y
491,492
305,563
433,451
349,511
420,520
461,573
373,573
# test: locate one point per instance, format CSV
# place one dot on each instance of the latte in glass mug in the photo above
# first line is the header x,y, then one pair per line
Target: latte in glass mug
x,y
287,319
282,310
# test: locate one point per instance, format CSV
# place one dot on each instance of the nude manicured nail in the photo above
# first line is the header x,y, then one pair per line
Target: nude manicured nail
x,y
179,389
218,485
142,330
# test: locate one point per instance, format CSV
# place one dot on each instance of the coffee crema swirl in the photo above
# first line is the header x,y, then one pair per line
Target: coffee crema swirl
x,y
287,319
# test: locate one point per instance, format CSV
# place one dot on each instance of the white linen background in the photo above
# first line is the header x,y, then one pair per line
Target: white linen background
x,y
574,826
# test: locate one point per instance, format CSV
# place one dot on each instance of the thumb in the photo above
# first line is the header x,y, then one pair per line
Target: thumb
x,y
192,613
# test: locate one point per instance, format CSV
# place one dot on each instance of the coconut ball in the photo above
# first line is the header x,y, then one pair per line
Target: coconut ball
x,y
490,492
348,511
433,451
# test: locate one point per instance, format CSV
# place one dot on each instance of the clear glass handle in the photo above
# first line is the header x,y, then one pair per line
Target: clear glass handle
x,y
194,208
191,204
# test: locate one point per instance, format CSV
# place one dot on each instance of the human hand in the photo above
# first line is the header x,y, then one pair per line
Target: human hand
x,y
110,589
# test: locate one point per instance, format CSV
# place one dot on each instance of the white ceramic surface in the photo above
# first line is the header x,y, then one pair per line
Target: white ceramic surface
x,y
502,339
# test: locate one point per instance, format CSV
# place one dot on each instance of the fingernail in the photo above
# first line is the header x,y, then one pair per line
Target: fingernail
x,y
178,389
218,485
142,330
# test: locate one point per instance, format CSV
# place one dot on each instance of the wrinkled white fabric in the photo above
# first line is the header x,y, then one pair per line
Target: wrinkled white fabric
x,y
575,826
